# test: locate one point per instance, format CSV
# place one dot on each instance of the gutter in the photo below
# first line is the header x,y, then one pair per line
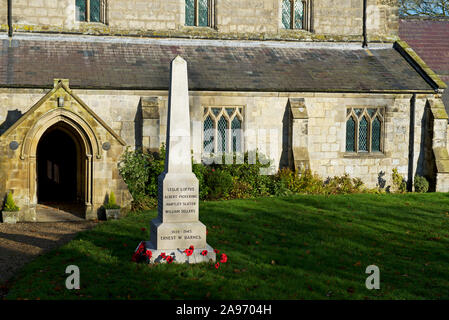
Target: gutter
x,y
223,90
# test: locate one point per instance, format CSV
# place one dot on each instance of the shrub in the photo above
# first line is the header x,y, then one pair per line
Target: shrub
x,y
142,203
10,205
219,183
399,183
303,181
156,165
279,187
134,167
421,184
111,204
200,171
344,185
248,174
241,189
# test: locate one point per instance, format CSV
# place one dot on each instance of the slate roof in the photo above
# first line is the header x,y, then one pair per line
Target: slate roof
x,y
215,66
429,38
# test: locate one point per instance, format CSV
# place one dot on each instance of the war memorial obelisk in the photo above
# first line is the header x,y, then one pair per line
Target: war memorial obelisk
x,y
177,226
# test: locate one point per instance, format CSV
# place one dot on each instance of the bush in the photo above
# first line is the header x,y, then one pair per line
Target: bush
x,y
303,181
156,165
399,183
245,177
134,167
241,189
142,203
10,205
279,188
344,185
200,171
111,204
248,173
421,184
219,183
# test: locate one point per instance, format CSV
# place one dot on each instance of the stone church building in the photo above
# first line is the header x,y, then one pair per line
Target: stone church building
x,y
322,84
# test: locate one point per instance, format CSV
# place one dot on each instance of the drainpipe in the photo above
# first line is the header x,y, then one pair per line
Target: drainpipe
x,y
9,18
411,144
365,38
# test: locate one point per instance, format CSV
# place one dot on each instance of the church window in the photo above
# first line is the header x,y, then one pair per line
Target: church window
x,y
222,130
91,10
364,130
198,13
294,13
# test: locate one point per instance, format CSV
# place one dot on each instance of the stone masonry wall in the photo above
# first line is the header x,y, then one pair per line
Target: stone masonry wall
x,y
234,19
265,116
16,167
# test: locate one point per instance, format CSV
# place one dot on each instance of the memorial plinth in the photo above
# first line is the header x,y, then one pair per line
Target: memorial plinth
x,y
177,226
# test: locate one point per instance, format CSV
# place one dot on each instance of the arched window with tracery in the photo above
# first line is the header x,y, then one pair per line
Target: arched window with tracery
x,y
223,130
364,130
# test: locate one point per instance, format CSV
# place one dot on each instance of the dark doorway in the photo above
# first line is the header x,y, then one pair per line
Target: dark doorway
x,y
57,159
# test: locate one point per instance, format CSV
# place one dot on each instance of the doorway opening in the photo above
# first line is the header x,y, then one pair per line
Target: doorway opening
x,y
60,173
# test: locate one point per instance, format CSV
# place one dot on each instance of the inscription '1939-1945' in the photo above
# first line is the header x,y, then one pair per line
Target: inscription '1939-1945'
x,y
181,234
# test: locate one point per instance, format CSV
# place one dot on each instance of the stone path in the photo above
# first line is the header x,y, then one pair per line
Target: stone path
x,y
55,212
21,243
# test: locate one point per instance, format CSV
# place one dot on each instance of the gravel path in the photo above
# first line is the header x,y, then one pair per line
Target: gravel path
x,y
20,243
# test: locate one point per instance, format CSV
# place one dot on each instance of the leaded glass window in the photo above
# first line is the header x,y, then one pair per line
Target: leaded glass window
x,y
222,134
81,10
209,135
293,12
350,135
287,14
298,14
363,135
198,13
95,10
364,128
223,130
190,12
91,10
376,135
236,132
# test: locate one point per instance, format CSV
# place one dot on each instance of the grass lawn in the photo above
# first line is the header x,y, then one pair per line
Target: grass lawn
x,y
299,247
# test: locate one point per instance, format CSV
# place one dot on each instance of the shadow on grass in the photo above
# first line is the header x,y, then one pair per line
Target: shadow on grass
x,y
301,247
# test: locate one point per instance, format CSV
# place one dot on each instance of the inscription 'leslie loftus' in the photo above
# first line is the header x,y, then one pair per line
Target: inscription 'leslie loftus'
x,y
177,189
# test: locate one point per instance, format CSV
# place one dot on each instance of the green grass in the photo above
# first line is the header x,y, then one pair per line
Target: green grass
x,y
299,247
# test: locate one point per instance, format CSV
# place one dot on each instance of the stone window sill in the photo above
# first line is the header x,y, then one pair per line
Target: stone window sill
x,y
198,28
91,24
294,31
364,155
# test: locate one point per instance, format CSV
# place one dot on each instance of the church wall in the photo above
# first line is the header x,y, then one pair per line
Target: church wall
x,y
265,117
233,19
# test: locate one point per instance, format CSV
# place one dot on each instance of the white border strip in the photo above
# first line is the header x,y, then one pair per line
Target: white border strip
x,y
197,42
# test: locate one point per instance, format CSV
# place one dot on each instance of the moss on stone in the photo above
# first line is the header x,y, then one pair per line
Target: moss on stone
x,y
405,49
199,33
